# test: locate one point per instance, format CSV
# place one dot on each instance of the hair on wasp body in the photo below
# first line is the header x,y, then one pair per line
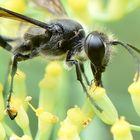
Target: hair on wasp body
x,y
63,39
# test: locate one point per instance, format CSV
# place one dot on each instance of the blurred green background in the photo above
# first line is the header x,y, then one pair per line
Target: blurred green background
x,y
116,79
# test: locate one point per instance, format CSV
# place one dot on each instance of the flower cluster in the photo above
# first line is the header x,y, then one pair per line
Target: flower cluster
x,y
77,118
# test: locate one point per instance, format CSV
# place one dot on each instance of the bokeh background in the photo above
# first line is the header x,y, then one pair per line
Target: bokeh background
x,y
120,18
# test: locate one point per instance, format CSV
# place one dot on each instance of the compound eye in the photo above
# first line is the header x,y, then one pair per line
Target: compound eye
x,y
95,49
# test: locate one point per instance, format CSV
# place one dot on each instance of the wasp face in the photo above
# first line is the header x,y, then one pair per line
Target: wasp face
x,y
95,48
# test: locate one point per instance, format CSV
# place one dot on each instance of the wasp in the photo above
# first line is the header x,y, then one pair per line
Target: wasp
x,y
62,39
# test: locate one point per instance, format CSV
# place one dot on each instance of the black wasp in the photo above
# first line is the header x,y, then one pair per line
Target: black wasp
x,y
62,39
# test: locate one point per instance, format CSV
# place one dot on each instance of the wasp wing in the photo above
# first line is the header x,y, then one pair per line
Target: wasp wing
x,y
53,6
5,13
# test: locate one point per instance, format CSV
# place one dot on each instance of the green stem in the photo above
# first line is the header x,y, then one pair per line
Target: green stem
x,y
135,127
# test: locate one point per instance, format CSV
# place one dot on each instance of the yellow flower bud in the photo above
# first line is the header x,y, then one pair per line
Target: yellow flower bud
x,y
68,131
77,117
54,69
46,117
108,112
121,130
134,90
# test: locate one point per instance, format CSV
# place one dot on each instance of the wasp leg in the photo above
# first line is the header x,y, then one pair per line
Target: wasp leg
x,y
4,44
6,78
15,60
84,74
79,78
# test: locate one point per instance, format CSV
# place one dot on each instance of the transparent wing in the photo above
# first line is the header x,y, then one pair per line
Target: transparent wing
x,y
53,6
4,13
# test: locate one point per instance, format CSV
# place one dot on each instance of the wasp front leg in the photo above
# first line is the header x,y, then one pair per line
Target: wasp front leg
x,y
16,58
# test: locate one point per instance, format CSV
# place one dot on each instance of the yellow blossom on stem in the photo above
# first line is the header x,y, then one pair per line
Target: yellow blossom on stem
x,y
78,117
50,86
46,117
108,112
54,69
134,90
121,130
45,120
52,75
68,131
75,121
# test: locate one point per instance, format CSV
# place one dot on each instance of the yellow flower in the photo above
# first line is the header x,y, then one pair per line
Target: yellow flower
x,y
46,117
77,117
75,121
54,69
68,131
121,130
51,78
15,5
134,90
108,112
